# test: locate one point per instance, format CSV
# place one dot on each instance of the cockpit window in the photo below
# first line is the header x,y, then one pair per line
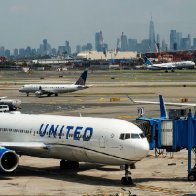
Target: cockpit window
x,y
127,136
135,136
124,136
142,135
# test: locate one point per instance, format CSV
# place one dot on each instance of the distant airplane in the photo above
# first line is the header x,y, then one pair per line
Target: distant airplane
x,y
168,66
13,104
50,89
71,139
166,103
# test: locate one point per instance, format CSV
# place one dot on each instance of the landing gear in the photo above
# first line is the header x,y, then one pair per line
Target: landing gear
x,y
27,94
127,180
56,94
192,173
69,165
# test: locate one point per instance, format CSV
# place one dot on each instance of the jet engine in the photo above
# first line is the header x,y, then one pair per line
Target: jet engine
x,y
8,160
38,93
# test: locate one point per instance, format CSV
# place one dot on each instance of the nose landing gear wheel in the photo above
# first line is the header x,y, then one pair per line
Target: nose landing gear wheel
x,y
127,180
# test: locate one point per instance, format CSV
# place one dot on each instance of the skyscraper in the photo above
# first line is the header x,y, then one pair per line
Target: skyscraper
x,y
152,36
99,41
45,46
124,44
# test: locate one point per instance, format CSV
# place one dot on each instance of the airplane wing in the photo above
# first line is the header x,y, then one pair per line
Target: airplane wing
x,y
25,147
3,98
166,103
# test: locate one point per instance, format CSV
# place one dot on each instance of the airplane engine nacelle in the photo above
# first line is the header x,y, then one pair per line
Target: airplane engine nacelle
x,y
38,93
8,160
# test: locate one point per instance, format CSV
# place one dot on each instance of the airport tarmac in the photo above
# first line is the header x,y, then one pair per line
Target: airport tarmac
x,y
162,175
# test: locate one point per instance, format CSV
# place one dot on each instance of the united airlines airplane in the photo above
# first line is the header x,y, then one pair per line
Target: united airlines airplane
x,y
50,89
71,139
168,66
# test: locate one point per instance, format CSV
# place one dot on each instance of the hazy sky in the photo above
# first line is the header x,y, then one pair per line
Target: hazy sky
x,y
27,22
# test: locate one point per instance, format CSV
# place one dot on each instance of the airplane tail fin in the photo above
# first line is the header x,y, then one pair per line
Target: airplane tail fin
x,y
82,79
147,61
163,111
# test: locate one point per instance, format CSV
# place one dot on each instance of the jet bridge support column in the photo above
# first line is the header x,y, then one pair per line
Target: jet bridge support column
x,y
189,139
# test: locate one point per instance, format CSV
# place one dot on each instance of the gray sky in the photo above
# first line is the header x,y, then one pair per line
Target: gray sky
x,y
27,22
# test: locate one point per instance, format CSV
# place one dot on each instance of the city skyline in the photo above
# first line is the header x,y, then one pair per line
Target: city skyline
x,y
26,23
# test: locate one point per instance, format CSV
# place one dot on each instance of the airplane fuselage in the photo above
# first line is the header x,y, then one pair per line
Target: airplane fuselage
x,y
50,88
99,140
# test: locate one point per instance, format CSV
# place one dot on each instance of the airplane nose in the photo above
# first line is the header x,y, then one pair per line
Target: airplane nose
x,y
143,149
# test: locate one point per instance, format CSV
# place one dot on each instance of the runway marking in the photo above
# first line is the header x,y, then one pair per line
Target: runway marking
x,y
101,99
160,189
127,117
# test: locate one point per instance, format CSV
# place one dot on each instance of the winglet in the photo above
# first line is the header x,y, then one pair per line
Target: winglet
x,y
163,111
82,79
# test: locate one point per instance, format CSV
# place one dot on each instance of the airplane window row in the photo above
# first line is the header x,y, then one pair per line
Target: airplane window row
x,y
124,136
31,132
15,130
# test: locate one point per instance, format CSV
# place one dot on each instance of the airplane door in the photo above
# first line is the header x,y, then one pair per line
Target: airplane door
x,y
102,141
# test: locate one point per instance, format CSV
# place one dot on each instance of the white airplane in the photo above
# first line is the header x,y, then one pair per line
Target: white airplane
x,y
50,89
168,66
71,139
166,103
13,104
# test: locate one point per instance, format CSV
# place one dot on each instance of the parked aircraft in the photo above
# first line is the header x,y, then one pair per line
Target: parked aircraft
x,y
71,139
50,89
168,66
13,104
166,103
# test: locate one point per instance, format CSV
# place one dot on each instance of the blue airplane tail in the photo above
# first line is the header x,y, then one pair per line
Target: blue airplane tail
x,y
163,111
147,61
82,79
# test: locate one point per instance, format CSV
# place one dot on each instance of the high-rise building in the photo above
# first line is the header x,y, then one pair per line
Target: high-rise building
x,y
132,44
99,41
2,51
45,46
15,52
164,46
124,44
175,40
67,48
185,43
152,36
78,48
89,46
194,43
